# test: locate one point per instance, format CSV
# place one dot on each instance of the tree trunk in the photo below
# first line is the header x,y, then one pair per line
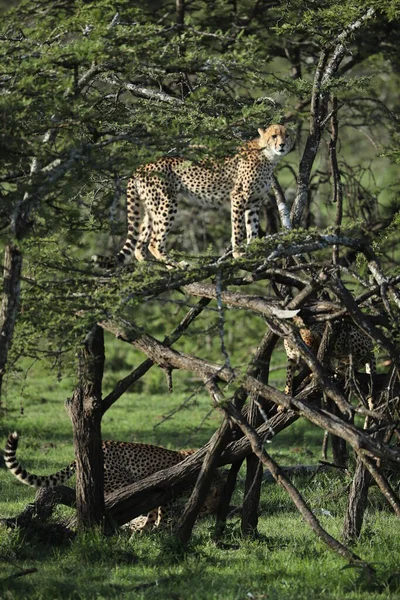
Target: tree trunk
x,y
254,471
196,500
85,412
252,486
357,502
9,303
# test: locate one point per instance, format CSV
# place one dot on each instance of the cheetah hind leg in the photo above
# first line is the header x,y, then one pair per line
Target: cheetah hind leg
x,y
144,237
146,522
370,369
162,224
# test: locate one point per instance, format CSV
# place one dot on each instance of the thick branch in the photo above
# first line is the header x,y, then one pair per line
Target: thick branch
x,y
240,300
283,209
142,369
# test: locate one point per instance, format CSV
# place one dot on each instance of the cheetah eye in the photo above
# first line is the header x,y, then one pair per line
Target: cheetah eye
x,y
274,136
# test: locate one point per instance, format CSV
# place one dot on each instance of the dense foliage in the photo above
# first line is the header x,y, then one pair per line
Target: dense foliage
x,y
92,90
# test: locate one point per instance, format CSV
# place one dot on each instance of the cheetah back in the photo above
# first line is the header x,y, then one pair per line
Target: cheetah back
x,y
128,462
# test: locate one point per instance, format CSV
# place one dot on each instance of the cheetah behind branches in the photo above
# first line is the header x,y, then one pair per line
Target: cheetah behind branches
x,y
124,463
243,179
351,346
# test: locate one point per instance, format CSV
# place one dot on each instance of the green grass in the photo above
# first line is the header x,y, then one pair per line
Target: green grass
x,y
286,562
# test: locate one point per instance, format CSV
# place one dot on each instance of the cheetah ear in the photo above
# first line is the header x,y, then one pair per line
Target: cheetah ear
x,y
260,131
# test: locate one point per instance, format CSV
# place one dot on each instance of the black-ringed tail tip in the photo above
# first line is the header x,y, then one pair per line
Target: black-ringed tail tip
x,y
108,262
35,481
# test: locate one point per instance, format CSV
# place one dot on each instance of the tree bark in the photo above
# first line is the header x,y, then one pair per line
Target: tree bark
x,y
254,470
196,500
357,502
85,411
9,304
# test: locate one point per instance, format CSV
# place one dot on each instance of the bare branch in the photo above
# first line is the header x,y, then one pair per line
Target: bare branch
x,y
283,209
294,494
142,92
328,65
206,370
123,385
256,303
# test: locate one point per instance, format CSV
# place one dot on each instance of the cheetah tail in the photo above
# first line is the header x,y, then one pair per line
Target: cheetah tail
x,y
133,218
36,481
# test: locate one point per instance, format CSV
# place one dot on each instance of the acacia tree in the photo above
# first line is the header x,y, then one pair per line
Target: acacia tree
x,y
88,91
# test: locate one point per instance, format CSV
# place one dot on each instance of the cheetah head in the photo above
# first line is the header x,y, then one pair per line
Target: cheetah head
x,y
275,141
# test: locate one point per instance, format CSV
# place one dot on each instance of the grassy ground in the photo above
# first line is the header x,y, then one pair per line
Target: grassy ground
x,y
285,562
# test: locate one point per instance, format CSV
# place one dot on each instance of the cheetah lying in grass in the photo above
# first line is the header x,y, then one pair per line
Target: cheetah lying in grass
x,y
124,463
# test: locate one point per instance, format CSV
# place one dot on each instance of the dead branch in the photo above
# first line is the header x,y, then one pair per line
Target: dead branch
x,y
337,191
256,303
294,494
206,370
328,64
123,385
196,500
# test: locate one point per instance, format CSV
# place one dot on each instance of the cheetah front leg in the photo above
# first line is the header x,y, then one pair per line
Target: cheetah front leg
x,y
292,360
370,369
290,371
145,522
252,219
237,223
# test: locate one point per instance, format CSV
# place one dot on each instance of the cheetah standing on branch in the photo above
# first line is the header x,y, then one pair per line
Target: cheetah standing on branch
x,y
244,179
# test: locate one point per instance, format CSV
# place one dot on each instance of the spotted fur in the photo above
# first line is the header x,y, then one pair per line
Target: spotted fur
x,y
243,179
350,346
165,515
124,463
